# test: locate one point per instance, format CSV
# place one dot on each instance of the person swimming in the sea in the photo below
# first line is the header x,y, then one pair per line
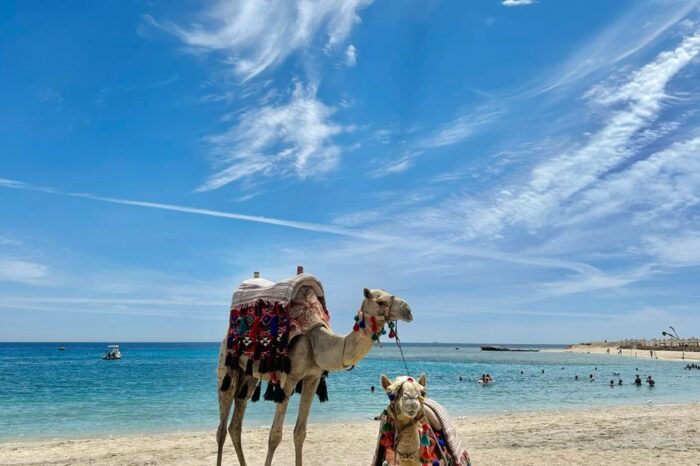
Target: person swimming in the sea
x,y
638,380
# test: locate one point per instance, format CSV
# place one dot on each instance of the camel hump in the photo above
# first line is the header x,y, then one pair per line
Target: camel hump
x,y
283,292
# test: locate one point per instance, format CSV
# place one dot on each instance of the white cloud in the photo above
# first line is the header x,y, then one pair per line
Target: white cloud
x,y
258,35
22,271
292,139
351,55
681,250
665,183
638,28
554,182
333,229
517,2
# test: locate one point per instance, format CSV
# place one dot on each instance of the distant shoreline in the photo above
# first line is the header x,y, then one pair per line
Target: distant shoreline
x,y
611,348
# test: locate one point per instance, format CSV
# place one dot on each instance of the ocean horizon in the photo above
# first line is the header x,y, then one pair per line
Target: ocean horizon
x,y
171,387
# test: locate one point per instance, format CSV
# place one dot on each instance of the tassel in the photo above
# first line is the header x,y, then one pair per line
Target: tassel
x,y
256,393
263,367
392,334
249,367
356,327
436,463
362,323
386,427
226,383
279,393
285,364
243,392
322,390
424,439
269,393
299,386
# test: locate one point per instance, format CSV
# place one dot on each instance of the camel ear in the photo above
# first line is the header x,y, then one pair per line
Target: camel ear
x,y
385,381
422,380
368,294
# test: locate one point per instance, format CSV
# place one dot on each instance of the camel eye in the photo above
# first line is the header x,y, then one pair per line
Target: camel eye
x,y
381,303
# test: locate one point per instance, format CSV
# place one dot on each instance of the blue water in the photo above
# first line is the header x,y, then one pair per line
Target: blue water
x,y
172,387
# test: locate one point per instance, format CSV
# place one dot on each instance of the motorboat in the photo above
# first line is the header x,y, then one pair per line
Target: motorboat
x,y
61,348
112,352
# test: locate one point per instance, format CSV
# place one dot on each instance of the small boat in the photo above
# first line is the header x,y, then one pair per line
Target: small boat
x,y
61,348
501,348
112,352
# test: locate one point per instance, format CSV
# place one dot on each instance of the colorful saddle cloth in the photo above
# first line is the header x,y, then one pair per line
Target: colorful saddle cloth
x,y
266,316
438,446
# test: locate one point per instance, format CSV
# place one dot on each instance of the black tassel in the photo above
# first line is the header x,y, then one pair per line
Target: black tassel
x,y
299,386
226,383
243,392
285,365
322,390
279,393
269,393
264,366
229,360
256,393
249,367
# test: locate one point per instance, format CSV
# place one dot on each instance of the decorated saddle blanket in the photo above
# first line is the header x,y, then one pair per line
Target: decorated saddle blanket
x,y
265,317
439,443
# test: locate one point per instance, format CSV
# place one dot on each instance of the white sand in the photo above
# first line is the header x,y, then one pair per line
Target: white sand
x,y
602,348
635,435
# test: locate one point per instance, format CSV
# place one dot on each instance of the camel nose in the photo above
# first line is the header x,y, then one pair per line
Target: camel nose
x,y
406,312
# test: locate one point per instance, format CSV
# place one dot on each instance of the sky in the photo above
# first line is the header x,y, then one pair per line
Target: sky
x,y
517,170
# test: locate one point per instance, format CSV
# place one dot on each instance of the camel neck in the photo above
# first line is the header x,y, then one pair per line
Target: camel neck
x,y
336,352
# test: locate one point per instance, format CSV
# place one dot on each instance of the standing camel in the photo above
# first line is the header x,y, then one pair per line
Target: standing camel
x,y
310,354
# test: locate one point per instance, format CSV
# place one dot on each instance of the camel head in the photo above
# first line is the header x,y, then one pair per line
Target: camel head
x,y
406,394
381,304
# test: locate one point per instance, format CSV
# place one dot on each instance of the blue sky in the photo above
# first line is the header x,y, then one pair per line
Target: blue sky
x,y
519,171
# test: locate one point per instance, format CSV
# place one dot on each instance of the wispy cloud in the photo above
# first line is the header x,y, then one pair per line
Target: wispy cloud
x,y
257,35
12,184
555,181
517,2
294,138
22,271
675,250
350,56
633,32
447,134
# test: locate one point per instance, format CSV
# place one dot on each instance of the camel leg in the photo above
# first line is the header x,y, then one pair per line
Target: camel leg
x,y
225,400
278,422
307,397
236,426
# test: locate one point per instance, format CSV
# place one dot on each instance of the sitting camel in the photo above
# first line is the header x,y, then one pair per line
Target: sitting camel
x,y
311,355
414,430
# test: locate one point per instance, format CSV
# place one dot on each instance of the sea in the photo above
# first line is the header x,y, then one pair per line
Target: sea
x,y
171,387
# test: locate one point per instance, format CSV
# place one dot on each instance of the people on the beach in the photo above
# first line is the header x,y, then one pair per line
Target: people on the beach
x,y
691,366
619,382
576,377
371,389
485,379
638,380
650,381
612,383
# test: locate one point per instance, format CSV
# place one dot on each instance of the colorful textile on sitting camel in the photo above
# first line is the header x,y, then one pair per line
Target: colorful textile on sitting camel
x,y
438,447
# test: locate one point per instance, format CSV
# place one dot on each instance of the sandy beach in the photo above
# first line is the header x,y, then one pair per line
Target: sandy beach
x,y
659,435
602,348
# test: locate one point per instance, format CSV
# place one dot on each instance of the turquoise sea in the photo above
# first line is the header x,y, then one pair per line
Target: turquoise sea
x,y
166,387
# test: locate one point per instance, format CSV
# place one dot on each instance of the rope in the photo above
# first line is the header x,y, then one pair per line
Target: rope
x,y
398,343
